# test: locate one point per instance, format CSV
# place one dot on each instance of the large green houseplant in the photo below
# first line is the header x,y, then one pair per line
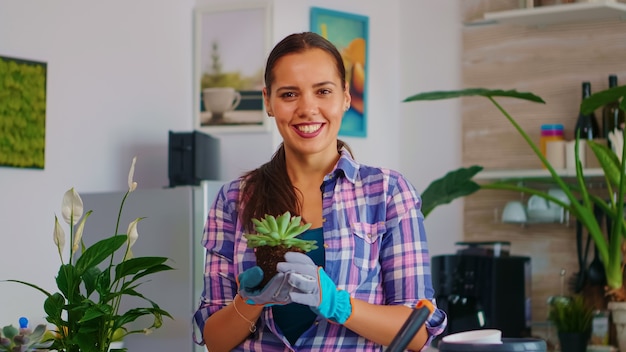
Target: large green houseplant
x,y
87,312
581,201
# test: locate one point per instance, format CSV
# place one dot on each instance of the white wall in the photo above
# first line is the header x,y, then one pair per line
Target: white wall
x,y
430,59
119,78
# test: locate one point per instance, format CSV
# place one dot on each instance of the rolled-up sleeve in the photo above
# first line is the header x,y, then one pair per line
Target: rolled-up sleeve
x,y
219,241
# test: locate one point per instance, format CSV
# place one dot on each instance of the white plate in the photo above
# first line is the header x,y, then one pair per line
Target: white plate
x,y
484,337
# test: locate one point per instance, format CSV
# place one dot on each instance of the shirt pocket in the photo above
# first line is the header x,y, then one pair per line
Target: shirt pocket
x,y
366,239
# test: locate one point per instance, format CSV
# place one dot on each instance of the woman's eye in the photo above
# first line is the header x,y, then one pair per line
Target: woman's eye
x,y
288,95
324,91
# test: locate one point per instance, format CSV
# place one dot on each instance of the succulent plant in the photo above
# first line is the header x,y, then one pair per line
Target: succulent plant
x,y
276,236
23,339
280,231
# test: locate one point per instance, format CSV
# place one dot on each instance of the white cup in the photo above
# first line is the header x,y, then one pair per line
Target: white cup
x,y
570,154
514,212
555,154
219,100
536,202
559,211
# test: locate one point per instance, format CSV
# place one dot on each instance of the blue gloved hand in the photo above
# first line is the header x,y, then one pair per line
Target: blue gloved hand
x,y
275,292
314,288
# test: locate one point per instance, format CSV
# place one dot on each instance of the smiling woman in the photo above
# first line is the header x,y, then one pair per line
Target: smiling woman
x,y
371,216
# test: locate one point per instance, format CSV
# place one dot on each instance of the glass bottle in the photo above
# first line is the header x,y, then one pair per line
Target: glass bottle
x,y
612,116
587,125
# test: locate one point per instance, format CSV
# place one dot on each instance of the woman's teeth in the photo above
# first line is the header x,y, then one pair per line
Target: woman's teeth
x,y
309,128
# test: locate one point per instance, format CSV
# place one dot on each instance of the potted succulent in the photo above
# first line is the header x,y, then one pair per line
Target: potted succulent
x,y
274,237
611,250
572,318
24,338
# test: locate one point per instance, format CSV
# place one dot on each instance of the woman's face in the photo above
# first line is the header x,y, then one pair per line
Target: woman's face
x,y
307,101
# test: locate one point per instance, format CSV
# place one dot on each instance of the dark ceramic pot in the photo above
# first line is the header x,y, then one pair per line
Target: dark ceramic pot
x,y
574,341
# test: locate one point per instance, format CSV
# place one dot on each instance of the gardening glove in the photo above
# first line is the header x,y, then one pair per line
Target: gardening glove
x,y
275,292
314,288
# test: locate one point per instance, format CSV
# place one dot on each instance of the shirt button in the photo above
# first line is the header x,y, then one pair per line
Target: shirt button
x,y
369,235
323,220
325,245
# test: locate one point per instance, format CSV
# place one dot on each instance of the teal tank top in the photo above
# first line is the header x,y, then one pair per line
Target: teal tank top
x,y
293,319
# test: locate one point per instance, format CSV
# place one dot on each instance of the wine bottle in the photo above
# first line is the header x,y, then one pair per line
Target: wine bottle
x,y
612,116
587,125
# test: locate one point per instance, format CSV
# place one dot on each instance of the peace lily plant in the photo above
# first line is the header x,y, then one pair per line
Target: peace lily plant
x,y
93,280
611,250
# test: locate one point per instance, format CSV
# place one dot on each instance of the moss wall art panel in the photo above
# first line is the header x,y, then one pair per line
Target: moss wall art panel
x,y
22,113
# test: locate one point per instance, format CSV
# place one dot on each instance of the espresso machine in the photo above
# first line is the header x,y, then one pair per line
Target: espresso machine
x,y
482,286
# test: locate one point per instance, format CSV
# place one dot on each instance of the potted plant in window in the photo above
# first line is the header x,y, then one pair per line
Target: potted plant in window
x,y
581,202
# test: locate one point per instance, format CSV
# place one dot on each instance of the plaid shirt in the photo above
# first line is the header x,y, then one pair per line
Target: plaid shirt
x,y
375,248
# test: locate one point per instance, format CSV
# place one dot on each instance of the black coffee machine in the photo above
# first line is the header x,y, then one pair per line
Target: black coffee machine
x,y
483,287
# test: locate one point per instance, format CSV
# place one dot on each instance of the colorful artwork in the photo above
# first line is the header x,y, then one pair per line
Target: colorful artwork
x,y
349,34
22,113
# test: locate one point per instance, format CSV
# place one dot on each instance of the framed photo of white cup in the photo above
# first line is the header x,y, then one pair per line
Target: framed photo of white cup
x,y
231,43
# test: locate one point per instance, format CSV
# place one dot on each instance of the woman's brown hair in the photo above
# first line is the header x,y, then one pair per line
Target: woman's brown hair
x,y
268,189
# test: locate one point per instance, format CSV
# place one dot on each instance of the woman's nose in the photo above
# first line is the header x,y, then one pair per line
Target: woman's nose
x,y
307,106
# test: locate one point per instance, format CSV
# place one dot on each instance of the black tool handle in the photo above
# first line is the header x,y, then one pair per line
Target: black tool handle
x,y
409,329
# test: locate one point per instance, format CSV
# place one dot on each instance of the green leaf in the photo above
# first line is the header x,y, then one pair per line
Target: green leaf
x,y
29,284
151,270
9,331
67,280
438,95
599,99
134,265
103,284
98,252
90,278
53,306
609,162
96,311
454,184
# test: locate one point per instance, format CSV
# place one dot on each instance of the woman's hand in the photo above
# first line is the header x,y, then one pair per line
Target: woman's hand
x,y
275,292
314,288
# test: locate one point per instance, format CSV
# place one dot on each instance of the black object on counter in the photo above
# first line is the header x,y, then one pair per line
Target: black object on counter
x,y
192,157
408,330
483,292
507,345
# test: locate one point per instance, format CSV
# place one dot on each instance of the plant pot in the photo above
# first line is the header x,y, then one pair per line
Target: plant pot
x,y
618,317
116,345
573,341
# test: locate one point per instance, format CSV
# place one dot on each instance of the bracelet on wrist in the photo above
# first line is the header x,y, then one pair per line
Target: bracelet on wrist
x,y
252,327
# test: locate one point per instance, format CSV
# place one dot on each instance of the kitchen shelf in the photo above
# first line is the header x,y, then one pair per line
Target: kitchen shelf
x,y
511,174
597,10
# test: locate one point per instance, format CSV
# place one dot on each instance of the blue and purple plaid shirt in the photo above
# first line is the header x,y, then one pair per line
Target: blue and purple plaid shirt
x,y
375,247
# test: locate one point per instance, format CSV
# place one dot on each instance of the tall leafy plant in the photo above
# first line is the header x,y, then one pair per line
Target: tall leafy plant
x,y
581,201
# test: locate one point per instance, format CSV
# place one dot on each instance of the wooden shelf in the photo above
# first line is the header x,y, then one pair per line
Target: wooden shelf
x,y
533,174
597,10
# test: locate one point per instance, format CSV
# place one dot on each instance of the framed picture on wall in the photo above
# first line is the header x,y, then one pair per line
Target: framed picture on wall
x,y
349,33
231,42
22,112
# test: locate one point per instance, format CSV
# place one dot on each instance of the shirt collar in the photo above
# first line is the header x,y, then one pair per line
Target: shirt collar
x,y
346,166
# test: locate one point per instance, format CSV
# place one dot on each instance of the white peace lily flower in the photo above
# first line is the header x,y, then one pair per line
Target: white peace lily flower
x,y
132,237
59,235
132,185
78,235
72,206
